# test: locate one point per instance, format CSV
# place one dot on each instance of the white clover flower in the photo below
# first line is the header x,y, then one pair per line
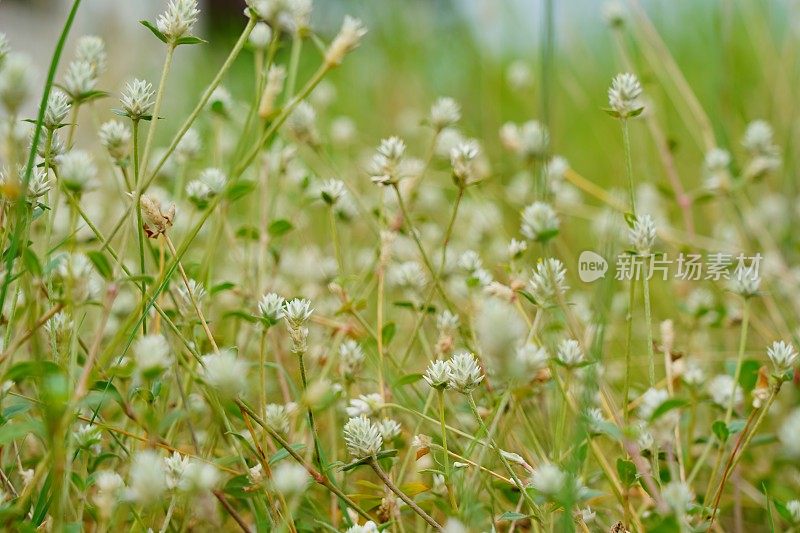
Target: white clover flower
x,y
59,326
556,168
539,222
290,478
437,375
745,281
351,359
214,179
548,281
80,79
519,75
195,292
721,388
548,479
758,138
783,356
693,375
198,477
178,19
109,487
296,312
15,82
199,193
115,138
717,160
220,101
277,417
76,170
463,160
623,95
92,50
270,307
595,420
347,40
39,183
643,234
58,106
389,429
174,468
465,373
87,436
343,131
447,322
516,248
261,36
570,353
678,496
362,437
534,139
651,400
332,191
137,98
189,146
531,358
385,167
444,112
148,481
365,404
152,355
302,123
407,275
470,261
644,439
225,372
368,527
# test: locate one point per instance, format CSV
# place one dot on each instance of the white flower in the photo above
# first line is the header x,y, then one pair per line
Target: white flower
x,y
260,36
225,372
270,307
76,170
722,388
15,81
178,19
548,479
366,404
199,193
444,112
368,527
570,353
115,138
678,496
437,375
147,478
214,179
717,160
783,356
694,375
447,322
463,159
57,108
595,420
652,400
531,358
623,95
189,146
109,486
643,234
137,98
516,248
534,139
152,354
351,358
539,222
758,138
195,292
174,467
302,122
389,429
465,372
548,281
362,437
290,478
39,183
296,312
277,417
793,506
557,167
745,281
199,476
92,50
407,275
385,167
332,190
80,79
346,40
788,432
86,436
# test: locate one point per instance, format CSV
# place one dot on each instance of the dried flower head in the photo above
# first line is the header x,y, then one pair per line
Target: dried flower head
x,y
346,40
156,219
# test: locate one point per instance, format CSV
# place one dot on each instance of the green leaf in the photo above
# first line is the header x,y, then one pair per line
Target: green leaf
x,y
608,428
630,219
667,406
721,431
627,471
279,227
240,189
190,39
407,380
17,430
283,453
29,369
388,331
101,263
221,287
31,262
147,24
511,516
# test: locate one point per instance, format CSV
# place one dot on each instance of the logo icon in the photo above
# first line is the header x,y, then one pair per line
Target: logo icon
x,y
591,266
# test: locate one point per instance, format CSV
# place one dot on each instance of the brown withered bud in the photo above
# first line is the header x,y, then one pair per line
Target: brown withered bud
x,y
155,219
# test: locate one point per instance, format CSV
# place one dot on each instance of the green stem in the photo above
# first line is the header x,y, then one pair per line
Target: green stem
x,y
139,226
448,473
151,133
651,361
